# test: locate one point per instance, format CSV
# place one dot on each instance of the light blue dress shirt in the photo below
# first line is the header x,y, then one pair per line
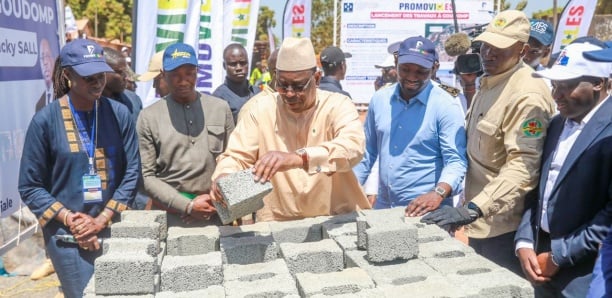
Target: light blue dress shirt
x,y
420,143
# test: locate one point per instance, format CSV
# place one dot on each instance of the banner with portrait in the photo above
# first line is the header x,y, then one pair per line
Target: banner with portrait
x,y
29,46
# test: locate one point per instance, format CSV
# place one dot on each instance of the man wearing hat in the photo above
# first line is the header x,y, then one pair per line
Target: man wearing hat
x,y
388,74
180,136
541,37
302,139
559,236
154,73
333,62
416,130
506,128
116,82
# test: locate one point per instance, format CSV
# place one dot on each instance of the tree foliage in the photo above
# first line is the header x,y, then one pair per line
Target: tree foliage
x,y
114,17
322,27
265,20
505,6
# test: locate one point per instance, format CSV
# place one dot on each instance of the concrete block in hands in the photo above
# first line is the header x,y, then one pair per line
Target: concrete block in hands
x,y
242,195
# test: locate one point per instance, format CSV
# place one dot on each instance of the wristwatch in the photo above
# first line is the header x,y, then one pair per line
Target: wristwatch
x,y
304,155
441,191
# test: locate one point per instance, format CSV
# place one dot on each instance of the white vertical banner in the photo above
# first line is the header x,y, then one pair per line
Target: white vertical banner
x,y
297,18
574,22
240,23
210,46
199,23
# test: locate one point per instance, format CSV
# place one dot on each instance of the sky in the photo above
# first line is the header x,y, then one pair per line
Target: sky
x,y
532,6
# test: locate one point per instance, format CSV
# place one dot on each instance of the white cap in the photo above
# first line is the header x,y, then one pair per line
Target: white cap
x,y
571,64
389,62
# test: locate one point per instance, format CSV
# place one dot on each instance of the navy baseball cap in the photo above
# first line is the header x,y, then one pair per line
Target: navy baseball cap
x,y
178,54
417,50
84,56
542,31
604,55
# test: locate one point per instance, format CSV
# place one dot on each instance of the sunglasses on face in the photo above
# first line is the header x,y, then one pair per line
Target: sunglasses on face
x,y
296,89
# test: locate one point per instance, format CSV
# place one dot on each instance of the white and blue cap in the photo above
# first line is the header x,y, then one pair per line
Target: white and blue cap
x,y
85,57
571,64
604,55
178,54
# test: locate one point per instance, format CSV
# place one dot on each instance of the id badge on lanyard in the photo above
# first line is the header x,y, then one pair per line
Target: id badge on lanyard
x,y
92,183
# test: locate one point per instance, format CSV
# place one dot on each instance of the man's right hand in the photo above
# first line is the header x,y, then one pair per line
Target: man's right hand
x,y
215,192
530,266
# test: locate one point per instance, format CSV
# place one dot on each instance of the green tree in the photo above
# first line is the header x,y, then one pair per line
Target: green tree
x,y
265,20
114,17
322,26
603,7
505,6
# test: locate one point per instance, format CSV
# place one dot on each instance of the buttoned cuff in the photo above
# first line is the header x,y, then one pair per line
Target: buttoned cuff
x,y
116,206
482,201
318,161
50,213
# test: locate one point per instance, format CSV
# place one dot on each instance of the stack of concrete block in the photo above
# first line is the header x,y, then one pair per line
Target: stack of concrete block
x,y
270,279
242,195
316,257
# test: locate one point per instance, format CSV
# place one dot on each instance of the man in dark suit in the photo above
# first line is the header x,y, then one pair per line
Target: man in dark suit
x,y
571,211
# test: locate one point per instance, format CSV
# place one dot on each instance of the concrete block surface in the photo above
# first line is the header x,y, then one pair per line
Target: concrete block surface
x,y
248,249
242,195
131,245
398,272
212,292
296,231
316,257
388,243
447,248
192,241
499,283
190,273
347,281
134,229
122,274
255,271
158,216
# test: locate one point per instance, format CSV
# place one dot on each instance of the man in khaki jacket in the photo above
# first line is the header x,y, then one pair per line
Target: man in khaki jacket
x,y
506,127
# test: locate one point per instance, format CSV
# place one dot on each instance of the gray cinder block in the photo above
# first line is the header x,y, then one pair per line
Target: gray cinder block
x,y
347,242
190,273
158,216
192,241
242,195
259,228
255,271
391,243
347,281
134,229
269,279
447,248
431,287
499,283
212,292
316,257
248,249
362,226
398,272
132,245
470,264
122,274
296,231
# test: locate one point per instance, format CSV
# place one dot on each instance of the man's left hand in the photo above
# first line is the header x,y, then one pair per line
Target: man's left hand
x,y
424,203
448,217
548,267
275,161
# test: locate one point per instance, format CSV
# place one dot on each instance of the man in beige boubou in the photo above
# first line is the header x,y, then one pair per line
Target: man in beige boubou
x,y
506,127
302,139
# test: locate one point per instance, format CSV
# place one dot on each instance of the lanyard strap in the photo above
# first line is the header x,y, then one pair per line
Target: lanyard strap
x,y
88,141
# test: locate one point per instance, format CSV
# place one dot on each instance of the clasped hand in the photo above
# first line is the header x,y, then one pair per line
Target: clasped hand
x,y
85,229
203,209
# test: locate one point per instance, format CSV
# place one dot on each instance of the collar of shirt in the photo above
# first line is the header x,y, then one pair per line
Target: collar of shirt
x,y
241,89
331,80
422,96
488,82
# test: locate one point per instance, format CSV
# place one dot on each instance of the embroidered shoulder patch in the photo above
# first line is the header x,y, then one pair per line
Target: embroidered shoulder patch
x,y
532,128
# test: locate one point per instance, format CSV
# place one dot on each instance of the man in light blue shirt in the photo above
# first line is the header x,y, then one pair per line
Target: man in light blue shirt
x,y
417,130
